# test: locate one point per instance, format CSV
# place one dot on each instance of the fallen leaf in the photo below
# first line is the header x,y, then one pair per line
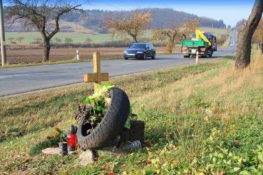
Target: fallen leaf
x,y
106,166
147,143
58,130
26,160
50,136
236,143
146,161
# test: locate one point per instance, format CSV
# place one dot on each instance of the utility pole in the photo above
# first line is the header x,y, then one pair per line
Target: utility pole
x,y
2,34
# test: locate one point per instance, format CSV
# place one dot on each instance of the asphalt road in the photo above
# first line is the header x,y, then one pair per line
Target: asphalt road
x,y
26,79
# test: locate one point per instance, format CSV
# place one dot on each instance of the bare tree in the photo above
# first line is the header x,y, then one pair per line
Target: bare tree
x,y
41,13
189,27
244,44
11,40
175,34
20,39
258,35
88,40
170,36
133,26
68,41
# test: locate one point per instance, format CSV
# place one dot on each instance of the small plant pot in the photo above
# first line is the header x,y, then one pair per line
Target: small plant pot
x,y
137,131
63,148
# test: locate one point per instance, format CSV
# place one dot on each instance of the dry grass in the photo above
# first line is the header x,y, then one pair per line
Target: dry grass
x,y
224,84
182,108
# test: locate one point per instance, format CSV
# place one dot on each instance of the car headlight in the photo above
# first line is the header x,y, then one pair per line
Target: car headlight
x,y
124,52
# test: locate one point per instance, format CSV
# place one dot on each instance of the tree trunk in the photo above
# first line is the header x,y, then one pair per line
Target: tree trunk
x,y
244,45
170,47
46,50
135,39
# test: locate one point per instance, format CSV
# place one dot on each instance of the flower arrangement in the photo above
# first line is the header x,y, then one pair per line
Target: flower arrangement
x,y
93,108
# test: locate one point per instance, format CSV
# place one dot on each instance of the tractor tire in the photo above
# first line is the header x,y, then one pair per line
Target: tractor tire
x,y
111,125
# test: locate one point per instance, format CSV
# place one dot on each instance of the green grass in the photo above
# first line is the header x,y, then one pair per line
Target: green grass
x,y
76,37
38,64
215,31
204,118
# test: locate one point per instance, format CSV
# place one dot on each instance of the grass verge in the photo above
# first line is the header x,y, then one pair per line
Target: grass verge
x,y
199,119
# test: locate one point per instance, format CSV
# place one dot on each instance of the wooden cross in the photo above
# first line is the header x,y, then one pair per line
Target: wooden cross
x,y
97,77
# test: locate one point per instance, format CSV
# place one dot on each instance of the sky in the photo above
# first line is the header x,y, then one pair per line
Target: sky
x,y
230,11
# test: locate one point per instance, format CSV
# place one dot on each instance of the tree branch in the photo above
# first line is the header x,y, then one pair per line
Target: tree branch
x,y
61,12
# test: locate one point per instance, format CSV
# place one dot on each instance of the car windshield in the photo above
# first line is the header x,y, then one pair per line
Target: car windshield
x,y
138,46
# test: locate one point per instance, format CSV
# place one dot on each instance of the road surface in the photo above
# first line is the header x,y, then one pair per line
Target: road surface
x,y
26,79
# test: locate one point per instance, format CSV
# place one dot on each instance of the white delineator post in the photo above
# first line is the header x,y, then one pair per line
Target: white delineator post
x,y
77,55
197,57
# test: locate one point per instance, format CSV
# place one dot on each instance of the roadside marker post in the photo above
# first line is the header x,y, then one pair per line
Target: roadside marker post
x,y
77,55
197,57
97,77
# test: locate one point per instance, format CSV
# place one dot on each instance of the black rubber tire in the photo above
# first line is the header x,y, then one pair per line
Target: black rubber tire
x,y
208,56
153,57
125,58
111,125
144,57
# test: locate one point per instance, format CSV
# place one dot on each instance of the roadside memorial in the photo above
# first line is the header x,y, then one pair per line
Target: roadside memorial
x,y
103,121
104,115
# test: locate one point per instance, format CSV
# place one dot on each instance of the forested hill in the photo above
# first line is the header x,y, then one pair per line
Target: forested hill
x,y
162,18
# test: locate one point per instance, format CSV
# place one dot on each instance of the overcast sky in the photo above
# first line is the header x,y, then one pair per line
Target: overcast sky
x,y
230,11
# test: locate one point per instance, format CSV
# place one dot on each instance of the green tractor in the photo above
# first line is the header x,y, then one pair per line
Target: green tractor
x,y
203,44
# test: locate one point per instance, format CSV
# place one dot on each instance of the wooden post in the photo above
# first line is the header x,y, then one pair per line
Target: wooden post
x,y
97,77
197,57
96,68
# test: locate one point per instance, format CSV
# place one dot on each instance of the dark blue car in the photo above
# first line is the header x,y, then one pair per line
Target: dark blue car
x,y
140,51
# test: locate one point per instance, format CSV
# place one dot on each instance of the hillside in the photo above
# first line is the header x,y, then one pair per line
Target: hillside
x,y
65,26
93,20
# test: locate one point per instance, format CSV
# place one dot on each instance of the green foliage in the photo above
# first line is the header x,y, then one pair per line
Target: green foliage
x,y
232,151
76,37
99,101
